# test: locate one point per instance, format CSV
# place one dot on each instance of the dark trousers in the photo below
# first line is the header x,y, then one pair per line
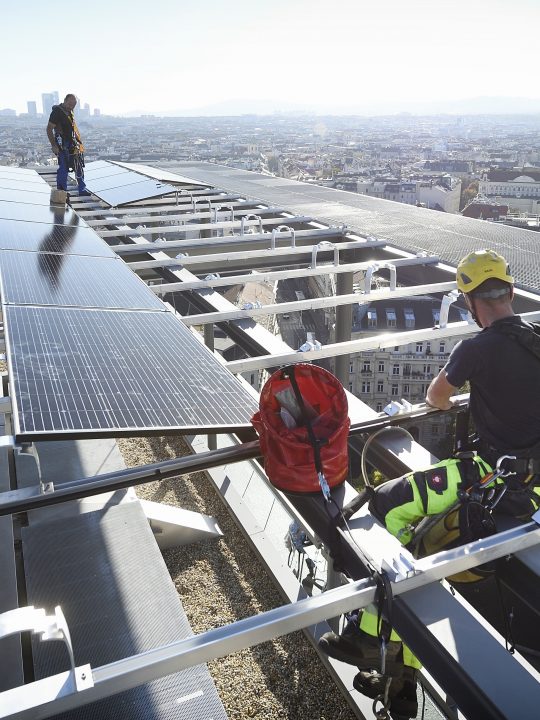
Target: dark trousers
x,y
65,161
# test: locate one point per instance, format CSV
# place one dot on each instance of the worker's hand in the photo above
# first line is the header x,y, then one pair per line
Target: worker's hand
x,y
56,150
443,405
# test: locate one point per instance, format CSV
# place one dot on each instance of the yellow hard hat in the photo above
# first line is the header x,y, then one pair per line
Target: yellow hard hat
x,y
479,266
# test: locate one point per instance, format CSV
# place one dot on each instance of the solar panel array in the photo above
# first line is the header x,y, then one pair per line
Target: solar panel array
x,y
91,350
98,372
118,185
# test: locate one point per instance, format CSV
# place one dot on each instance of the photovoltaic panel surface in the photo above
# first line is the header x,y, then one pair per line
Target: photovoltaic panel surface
x,y
23,196
120,186
57,214
133,193
27,185
111,372
34,178
125,179
18,170
105,171
43,237
72,280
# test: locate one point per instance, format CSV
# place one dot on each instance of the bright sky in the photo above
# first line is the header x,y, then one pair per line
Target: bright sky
x,y
176,55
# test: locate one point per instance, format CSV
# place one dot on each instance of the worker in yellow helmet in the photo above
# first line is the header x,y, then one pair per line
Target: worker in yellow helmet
x,y
502,365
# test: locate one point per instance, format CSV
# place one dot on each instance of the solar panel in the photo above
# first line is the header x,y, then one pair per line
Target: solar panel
x,y
133,193
33,187
45,237
101,172
17,170
118,180
72,280
91,166
23,196
111,372
33,178
57,214
118,186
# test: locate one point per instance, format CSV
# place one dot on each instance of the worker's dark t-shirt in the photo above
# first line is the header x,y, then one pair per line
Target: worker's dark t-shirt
x,y
505,387
62,121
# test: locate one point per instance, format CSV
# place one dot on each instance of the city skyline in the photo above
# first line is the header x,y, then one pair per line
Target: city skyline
x,y
264,57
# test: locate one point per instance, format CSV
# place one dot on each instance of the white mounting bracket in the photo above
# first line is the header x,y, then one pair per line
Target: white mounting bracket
x,y
448,300
48,627
375,267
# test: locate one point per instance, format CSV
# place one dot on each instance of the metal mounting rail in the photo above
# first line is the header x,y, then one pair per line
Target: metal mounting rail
x,y
281,253
362,344
215,243
315,303
107,680
31,498
272,276
220,225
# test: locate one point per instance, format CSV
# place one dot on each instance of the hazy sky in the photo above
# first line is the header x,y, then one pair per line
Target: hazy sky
x,y
177,55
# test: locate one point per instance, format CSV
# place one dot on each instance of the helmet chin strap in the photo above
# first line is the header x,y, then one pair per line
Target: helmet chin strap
x,y
472,310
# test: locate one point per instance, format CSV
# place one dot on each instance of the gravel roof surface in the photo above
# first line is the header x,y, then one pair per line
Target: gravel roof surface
x,y
221,581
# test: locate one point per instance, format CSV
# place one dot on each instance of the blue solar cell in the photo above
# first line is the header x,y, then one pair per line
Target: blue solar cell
x,y
73,238
72,280
92,373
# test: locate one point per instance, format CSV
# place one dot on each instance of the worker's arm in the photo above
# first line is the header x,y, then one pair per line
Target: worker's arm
x,y
52,139
439,392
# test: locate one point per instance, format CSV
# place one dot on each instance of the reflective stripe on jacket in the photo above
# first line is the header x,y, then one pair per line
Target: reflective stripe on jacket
x,y
403,502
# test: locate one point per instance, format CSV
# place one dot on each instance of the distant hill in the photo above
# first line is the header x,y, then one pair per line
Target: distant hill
x,y
467,106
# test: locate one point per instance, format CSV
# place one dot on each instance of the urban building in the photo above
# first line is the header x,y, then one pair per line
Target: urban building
x,y
436,193
32,108
519,188
48,100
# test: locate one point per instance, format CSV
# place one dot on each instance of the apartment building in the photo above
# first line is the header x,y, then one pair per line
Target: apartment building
x,y
518,188
401,372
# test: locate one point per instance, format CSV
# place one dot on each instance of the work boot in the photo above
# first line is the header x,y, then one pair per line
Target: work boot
x,y
356,647
404,702
373,684
401,692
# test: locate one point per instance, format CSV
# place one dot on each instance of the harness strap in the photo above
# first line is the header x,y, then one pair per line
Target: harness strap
x,y
522,465
315,443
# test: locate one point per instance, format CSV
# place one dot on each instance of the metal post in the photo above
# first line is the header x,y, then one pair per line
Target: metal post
x,y
209,342
344,286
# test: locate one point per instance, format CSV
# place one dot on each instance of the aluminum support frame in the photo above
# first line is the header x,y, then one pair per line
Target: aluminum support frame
x,y
374,342
31,498
145,667
272,276
221,225
337,301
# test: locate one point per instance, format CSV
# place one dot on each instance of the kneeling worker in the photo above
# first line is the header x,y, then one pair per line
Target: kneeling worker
x,y
502,365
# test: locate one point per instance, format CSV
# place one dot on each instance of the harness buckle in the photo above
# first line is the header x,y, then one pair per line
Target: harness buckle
x,y
501,472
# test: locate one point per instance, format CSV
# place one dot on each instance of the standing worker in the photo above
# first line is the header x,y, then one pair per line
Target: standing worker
x,y
502,365
66,143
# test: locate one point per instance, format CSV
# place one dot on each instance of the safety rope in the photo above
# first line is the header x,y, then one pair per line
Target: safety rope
x,y
315,443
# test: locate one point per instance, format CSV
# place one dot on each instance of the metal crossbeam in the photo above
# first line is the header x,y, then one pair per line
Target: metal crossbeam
x,y
199,195
373,342
240,209
220,225
280,253
217,242
317,303
272,276
139,669
31,498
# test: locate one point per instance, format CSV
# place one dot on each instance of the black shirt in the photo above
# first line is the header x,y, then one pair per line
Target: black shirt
x,y
505,387
63,123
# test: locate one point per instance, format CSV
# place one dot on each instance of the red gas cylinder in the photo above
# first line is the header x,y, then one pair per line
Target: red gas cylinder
x,y
289,459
